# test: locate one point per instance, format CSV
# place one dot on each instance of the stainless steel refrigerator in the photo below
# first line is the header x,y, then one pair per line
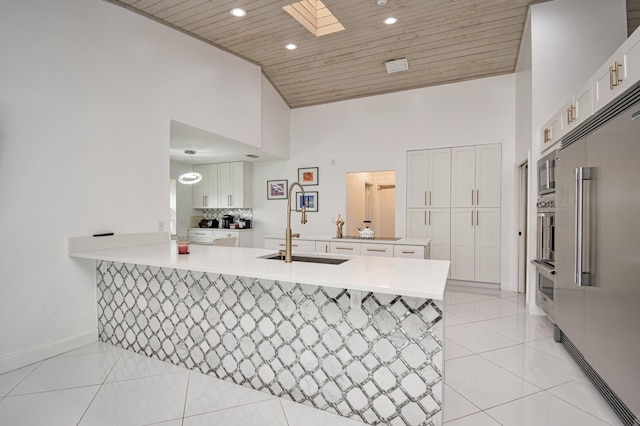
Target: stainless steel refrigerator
x,y
597,287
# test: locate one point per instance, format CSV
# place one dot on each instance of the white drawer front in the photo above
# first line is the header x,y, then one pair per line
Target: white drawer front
x,y
416,252
384,250
300,246
225,234
200,236
345,248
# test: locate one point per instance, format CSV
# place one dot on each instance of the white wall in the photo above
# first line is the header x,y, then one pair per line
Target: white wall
x,y
565,41
375,133
87,92
276,123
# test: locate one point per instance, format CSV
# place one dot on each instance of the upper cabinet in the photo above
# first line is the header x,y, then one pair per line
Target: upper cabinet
x,y
572,113
223,185
620,72
234,185
476,176
205,192
428,178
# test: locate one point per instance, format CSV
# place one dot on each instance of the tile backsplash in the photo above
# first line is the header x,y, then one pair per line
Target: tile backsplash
x,y
237,213
379,362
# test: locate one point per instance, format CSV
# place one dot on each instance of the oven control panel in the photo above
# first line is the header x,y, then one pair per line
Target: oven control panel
x,y
546,203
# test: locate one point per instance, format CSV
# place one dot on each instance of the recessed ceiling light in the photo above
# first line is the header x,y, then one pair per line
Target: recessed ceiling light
x,y
238,12
390,20
291,46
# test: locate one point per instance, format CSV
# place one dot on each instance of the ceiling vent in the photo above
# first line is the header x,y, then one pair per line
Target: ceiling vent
x,y
397,65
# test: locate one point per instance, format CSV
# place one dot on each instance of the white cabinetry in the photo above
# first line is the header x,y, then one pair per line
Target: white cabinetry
x,y
475,213
412,252
428,178
322,247
383,250
344,248
434,224
223,185
620,72
234,185
475,244
475,176
577,109
244,238
352,247
297,246
205,192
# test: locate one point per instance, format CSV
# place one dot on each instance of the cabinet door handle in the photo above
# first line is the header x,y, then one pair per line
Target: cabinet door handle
x,y
377,250
471,217
284,245
477,217
614,75
618,78
477,197
425,198
344,248
408,252
472,202
429,217
429,198
611,78
425,218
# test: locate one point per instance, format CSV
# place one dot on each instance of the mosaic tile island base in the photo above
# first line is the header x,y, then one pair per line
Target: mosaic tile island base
x,y
379,361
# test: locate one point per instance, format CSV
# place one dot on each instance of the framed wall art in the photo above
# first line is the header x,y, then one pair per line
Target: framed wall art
x,y
277,189
310,200
308,176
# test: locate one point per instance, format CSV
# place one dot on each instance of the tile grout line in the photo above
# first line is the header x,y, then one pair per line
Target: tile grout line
x,y
186,394
572,404
23,379
286,419
100,388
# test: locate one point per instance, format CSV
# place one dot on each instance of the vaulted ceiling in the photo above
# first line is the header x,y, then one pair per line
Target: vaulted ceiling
x,y
444,41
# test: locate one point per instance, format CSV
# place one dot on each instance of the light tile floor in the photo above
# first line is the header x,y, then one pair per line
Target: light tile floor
x,y
502,368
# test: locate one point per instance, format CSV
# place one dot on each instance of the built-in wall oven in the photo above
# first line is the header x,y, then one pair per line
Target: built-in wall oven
x,y
545,241
547,173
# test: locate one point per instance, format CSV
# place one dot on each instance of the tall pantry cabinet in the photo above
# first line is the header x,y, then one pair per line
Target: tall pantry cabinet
x,y
429,198
453,197
475,213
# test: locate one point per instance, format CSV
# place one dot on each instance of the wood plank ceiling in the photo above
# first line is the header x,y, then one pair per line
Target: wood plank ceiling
x,y
444,41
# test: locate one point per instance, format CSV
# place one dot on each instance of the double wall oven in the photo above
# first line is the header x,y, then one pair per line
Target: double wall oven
x,y
545,241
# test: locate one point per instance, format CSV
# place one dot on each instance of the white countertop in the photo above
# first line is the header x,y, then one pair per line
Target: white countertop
x,y
401,241
407,277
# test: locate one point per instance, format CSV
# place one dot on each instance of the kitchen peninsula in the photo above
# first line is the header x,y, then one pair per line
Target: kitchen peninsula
x,y
363,339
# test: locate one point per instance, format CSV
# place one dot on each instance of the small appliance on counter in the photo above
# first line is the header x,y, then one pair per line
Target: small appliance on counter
x,y
208,223
244,223
366,232
227,220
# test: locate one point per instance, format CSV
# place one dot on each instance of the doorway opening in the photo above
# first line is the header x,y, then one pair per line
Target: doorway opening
x,y
523,209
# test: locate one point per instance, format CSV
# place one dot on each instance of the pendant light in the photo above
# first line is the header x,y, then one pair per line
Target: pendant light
x,y
189,178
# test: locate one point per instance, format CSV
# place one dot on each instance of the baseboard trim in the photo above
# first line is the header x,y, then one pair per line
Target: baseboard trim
x,y
476,285
20,359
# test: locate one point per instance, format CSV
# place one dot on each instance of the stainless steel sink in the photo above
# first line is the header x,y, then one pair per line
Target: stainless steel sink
x,y
310,259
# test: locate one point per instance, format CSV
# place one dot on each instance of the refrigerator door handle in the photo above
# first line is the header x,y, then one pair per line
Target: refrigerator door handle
x,y
582,237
